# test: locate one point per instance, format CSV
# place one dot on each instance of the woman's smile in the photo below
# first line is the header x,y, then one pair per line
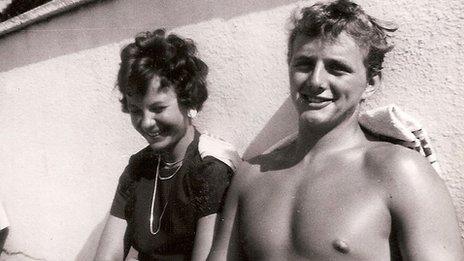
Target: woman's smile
x,y
153,134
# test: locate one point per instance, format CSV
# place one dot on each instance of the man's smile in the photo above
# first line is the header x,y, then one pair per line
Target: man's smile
x,y
315,102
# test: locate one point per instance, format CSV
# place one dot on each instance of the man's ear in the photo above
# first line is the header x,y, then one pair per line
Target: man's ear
x,y
372,86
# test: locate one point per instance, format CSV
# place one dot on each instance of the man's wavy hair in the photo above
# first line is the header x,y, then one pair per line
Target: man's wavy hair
x,y
171,58
328,20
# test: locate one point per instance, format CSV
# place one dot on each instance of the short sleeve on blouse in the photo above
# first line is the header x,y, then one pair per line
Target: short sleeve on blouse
x,y
122,194
210,186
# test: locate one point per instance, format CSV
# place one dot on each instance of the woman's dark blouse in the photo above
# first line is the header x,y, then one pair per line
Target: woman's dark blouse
x,y
197,190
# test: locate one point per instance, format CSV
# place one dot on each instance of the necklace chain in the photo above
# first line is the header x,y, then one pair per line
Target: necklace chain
x,y
169,165
152,231
172,164
172,175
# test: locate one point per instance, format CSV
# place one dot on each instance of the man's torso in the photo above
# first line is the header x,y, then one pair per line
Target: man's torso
x,y
327,208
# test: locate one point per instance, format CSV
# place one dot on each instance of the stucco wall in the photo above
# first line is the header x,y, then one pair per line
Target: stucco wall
x,y
64,141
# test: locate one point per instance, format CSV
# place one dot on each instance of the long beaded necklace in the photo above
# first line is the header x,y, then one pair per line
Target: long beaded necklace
x,y
157,176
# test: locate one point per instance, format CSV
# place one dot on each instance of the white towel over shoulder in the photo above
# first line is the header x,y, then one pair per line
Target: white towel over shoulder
x,y
391,122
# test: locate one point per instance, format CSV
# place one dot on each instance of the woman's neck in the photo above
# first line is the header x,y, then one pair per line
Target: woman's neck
x,y
177,153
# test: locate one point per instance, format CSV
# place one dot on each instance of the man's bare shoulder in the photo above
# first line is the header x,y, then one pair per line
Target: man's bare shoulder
x,y
419,202
279,158
388,158
256,167
253,172
245,176
401,170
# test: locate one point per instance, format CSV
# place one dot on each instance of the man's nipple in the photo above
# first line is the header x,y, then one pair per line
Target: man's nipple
x,y
341,246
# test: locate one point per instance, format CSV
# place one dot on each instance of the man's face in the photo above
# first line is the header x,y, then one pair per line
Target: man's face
x,y
327,79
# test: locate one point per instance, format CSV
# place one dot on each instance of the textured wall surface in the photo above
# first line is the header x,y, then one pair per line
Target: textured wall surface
x,y
64,141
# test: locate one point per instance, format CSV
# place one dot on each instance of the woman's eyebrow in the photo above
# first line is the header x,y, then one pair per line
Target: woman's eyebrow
x,y
156,103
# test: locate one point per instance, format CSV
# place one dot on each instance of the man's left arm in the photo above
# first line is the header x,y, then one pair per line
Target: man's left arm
x,y
422,211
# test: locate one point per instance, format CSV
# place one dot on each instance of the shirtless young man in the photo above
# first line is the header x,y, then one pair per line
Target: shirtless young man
x,y
335,193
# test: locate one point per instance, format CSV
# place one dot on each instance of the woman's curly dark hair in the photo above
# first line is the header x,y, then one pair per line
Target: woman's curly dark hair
x,y
328,20
171,58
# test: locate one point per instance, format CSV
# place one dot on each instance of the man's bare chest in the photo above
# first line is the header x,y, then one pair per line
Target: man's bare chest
x,y
325,216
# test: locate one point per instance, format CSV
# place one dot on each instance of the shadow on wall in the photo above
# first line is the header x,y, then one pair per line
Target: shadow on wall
x,y
89,249
90,26
281,124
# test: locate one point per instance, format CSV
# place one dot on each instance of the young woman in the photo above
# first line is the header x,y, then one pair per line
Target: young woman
x,y
169,194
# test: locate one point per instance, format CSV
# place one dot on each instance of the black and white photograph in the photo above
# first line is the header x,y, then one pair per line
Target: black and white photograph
x,y
174,130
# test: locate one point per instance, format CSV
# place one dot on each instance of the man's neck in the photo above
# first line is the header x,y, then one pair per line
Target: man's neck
x,y
315,140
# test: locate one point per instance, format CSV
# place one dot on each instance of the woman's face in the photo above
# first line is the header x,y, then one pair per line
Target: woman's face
x,y
158,117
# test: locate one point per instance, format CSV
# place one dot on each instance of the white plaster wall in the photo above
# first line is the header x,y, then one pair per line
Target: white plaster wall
x,y
64,141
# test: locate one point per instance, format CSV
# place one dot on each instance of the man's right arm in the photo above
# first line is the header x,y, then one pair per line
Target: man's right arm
x,y
226,245
111,245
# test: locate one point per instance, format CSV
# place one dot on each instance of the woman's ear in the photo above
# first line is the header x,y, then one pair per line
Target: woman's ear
x,y
192,113
372,85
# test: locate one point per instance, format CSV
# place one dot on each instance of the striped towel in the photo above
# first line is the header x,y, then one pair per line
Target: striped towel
x,y
391,124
